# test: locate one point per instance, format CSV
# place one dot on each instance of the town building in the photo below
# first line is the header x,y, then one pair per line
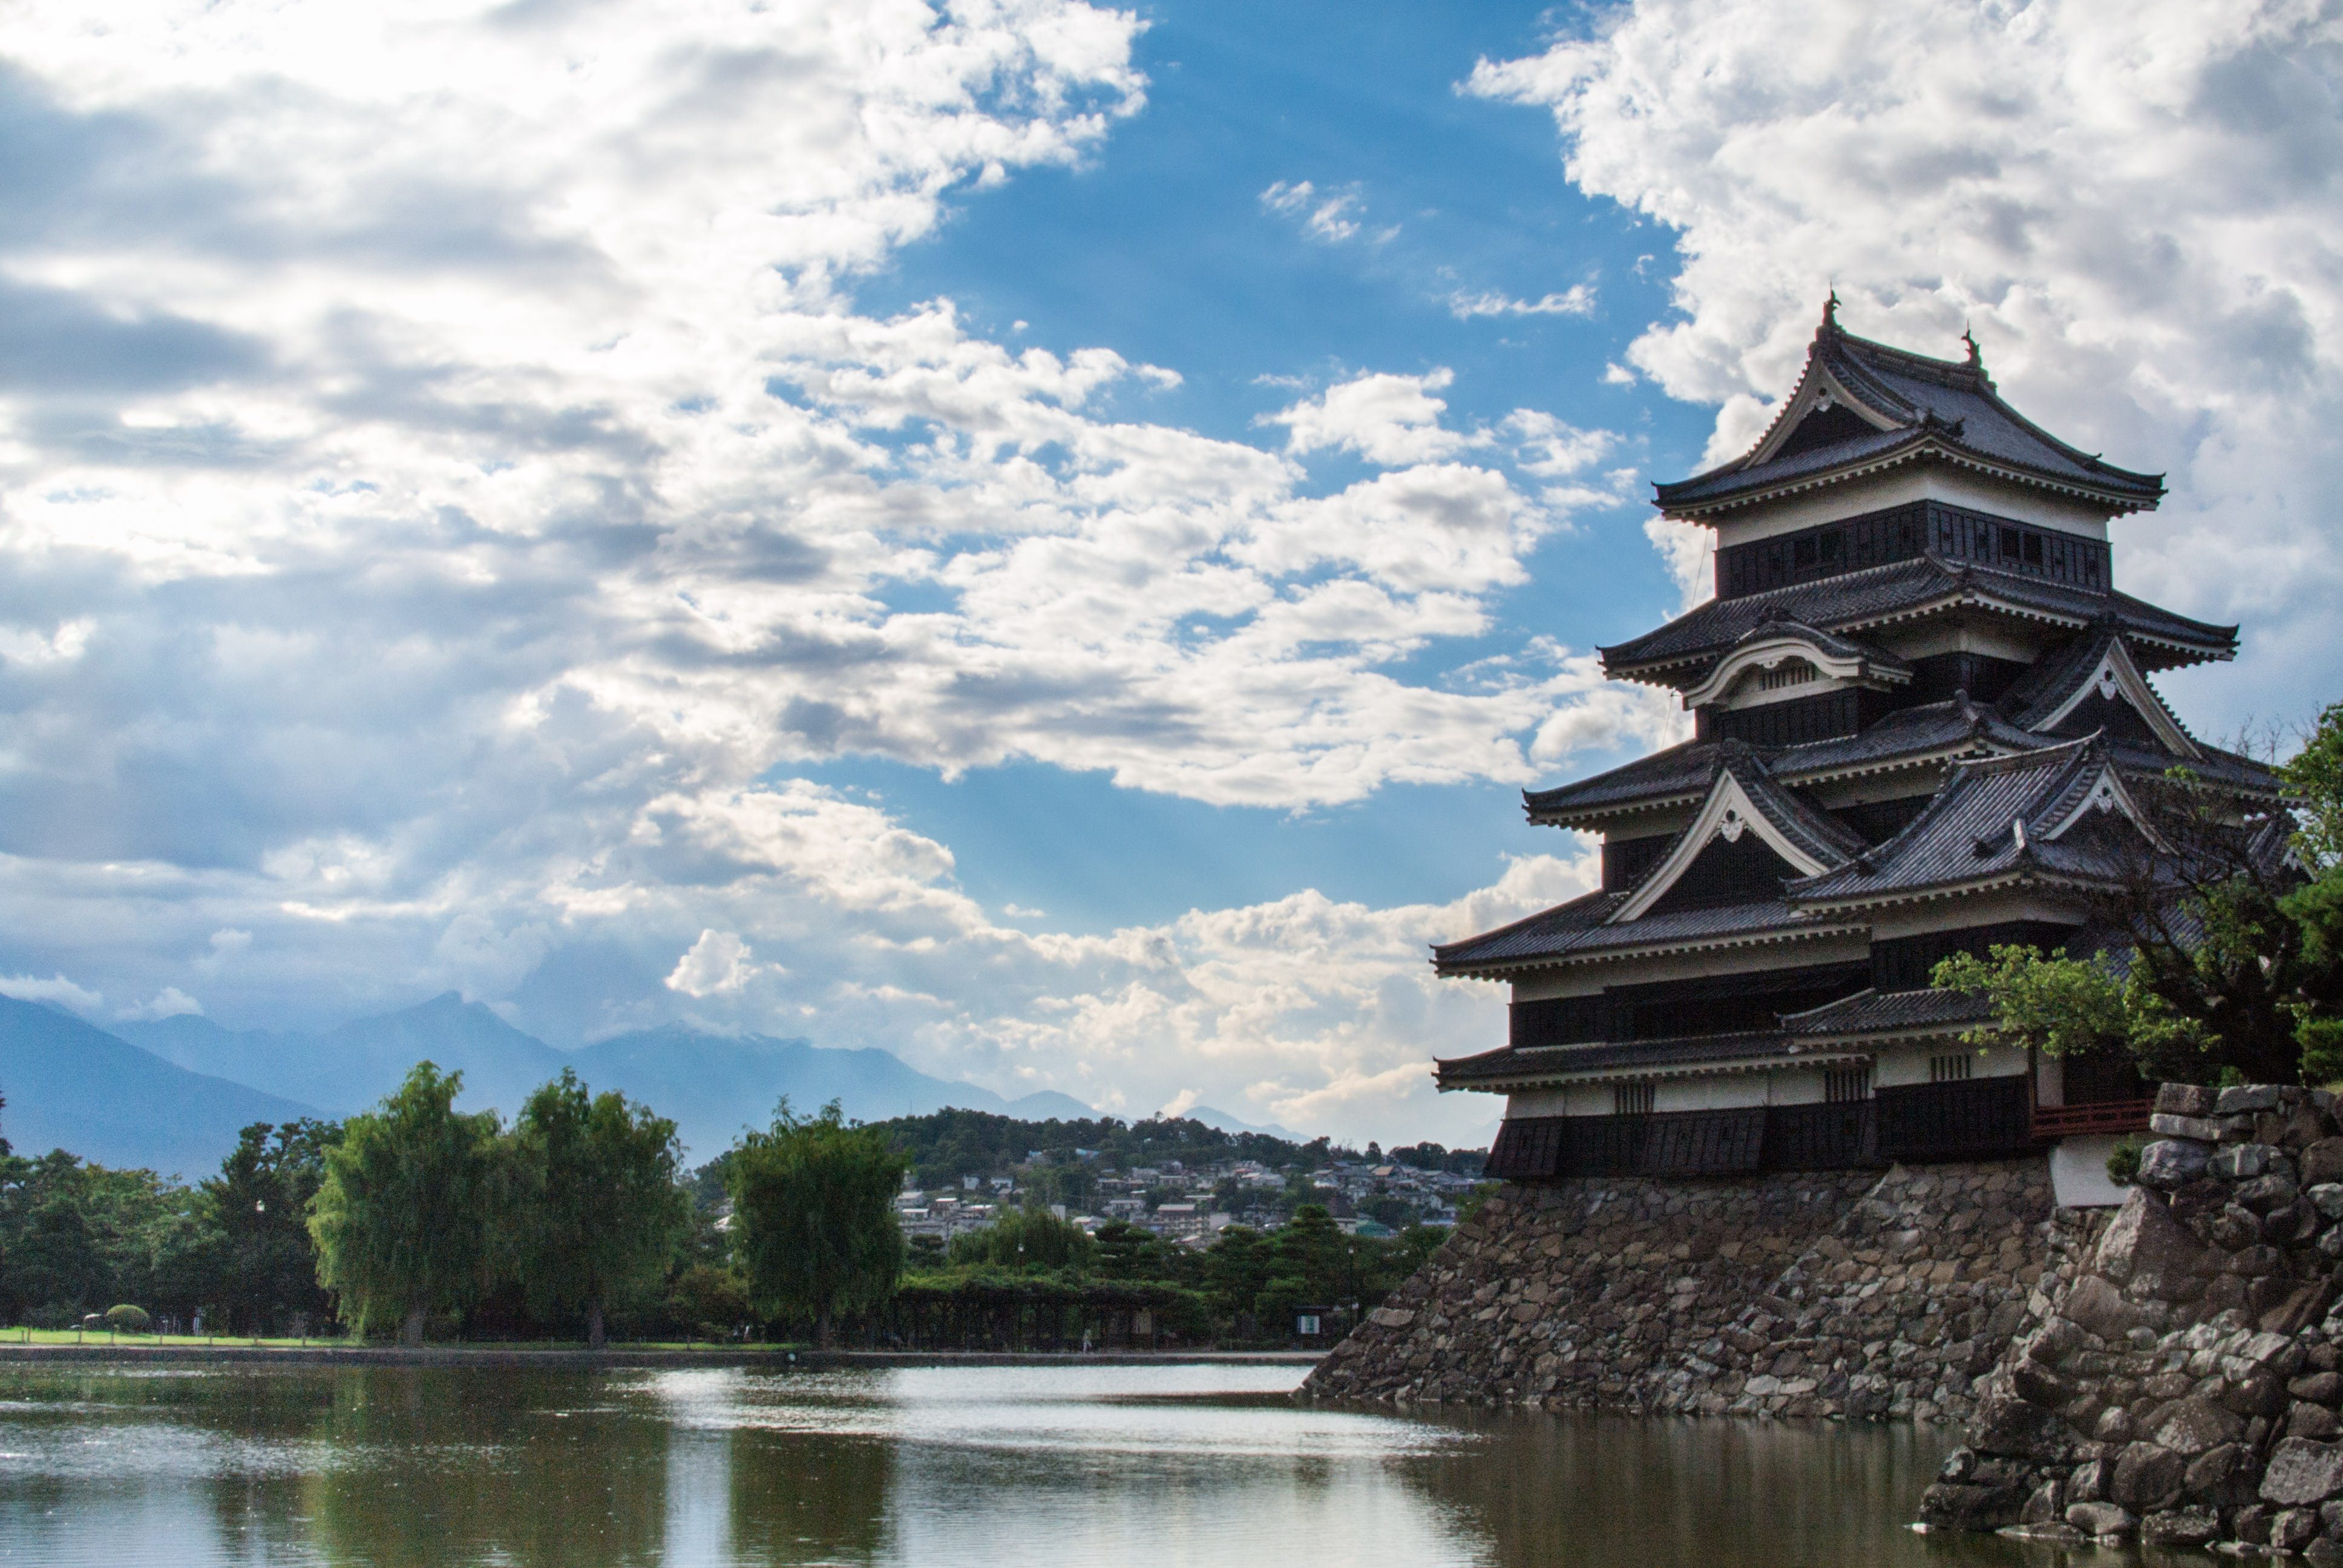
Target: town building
x,y
1921,711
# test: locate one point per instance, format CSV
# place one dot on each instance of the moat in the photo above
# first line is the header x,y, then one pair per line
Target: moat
x,y
1199,1464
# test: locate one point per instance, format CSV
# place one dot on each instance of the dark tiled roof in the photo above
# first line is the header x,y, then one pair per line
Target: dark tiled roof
x,y
1882,1012
1901,590
1684,771
1681,769
1929,404
1967,833
1579,929
1583,926
1823,837
1684,1050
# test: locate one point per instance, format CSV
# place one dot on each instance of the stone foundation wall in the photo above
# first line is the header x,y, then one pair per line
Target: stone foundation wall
x,y
1834,1293
2183,1383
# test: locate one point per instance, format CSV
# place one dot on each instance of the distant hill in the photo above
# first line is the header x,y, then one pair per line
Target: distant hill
x,y
712,1085
1223,1122
75,1087
348,1069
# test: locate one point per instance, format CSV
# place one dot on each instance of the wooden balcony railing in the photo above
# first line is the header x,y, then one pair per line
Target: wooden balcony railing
x,y
2107,1116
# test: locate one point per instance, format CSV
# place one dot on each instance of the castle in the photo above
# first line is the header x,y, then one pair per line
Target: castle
x,y
1920,710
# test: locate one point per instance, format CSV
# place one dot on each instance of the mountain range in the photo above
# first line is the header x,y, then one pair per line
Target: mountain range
x,y
171,1094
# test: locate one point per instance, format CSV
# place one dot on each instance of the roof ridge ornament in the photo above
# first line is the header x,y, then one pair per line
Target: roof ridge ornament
x,y
1830,312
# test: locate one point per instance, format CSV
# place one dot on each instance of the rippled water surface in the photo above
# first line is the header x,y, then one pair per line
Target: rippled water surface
x,y
977,1466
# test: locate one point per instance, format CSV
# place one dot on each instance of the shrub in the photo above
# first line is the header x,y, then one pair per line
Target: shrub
x,y
2122,1160
127,1319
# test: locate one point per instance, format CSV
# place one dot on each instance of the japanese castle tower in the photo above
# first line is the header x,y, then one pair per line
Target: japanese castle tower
x,y
1917,699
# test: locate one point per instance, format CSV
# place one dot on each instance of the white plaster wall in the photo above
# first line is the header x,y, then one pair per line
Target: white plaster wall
x,y
1795,1086
1914,482
1968,633
2078,1173
1537,1102
1977,909
1900,1066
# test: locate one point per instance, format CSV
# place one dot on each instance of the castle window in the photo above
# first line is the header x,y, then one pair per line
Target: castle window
x,y
1953,1068
1632,1099
1789,672
1842,1084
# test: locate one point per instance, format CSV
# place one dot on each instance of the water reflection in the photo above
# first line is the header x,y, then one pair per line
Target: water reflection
x,y
380,1468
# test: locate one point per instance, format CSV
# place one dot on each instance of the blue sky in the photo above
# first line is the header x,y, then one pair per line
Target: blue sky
x,y
1045,537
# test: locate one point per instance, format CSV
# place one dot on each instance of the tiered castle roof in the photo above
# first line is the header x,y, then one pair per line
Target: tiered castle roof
x,y
1908,707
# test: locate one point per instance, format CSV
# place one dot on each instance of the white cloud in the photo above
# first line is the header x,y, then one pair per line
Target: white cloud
x,y
472,491
1180,1104
1577,300
718,962
168,1002
2138,206
56,988
1387,419
1330,217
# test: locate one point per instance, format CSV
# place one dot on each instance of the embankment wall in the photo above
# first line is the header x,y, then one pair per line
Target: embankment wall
x,y
2183,1385
1841,1293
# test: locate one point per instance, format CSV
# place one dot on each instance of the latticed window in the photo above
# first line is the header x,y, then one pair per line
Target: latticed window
x,y
1632,1099
1789,672
1842,1084
1953,1068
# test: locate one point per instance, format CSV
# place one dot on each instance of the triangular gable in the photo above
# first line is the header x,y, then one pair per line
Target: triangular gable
x,y
2115,678
2092,794
1820,394
1727,813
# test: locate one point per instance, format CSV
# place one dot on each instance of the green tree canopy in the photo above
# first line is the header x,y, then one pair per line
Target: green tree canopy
x,y
598,1210
266,1263
402,1220
1025,1239
814,1216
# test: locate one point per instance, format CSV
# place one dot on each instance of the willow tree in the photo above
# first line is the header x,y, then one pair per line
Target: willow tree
x,y
597,1211
403,1218
813,1214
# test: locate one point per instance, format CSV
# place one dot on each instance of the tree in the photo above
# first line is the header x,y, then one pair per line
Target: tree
x,y
2229,959
600,1208
1029,1238
267,1268
401,1221
813,1205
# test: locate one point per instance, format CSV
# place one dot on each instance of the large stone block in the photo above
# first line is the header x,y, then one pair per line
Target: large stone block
x,y
2102,1519
2147,1477
2007,1425
2097,1307
2173,1161
2303,1472
2186,1099
2322,1162
2190,1426
2195,1129
2181,1527
2145,1251
2246,1098
1948,1505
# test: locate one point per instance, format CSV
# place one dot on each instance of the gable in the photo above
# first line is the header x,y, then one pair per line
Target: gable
x,y
1727,818
1727,871
2116,696
1823,427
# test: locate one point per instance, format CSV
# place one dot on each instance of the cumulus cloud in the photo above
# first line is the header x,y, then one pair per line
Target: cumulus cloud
x,y
1387,419
463,490
718,962
2137,207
